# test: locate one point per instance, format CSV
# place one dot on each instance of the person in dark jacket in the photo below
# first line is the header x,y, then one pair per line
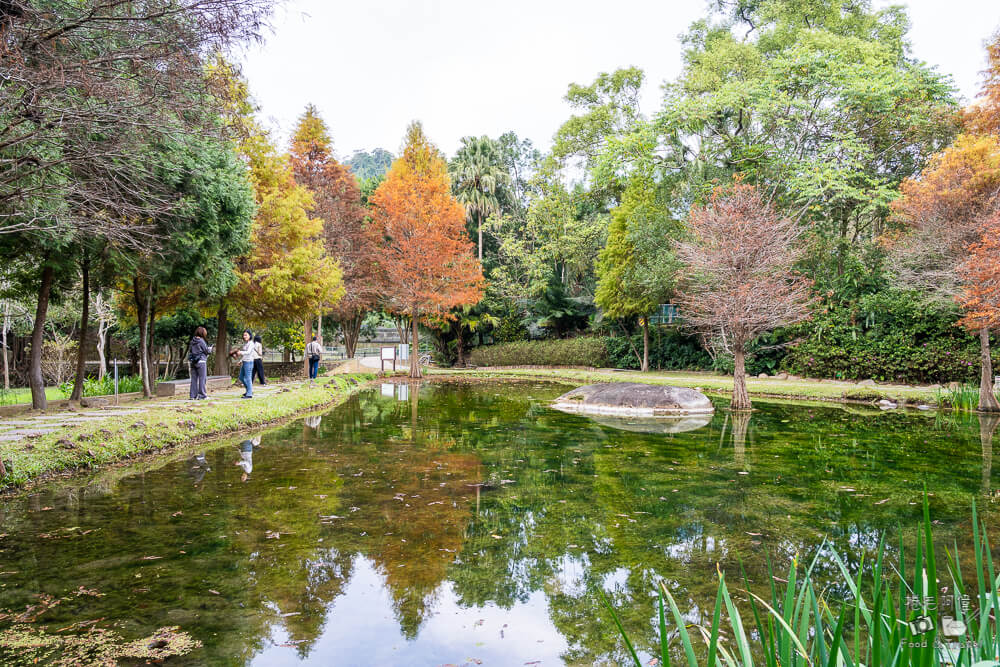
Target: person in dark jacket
x,y
258,363
198,359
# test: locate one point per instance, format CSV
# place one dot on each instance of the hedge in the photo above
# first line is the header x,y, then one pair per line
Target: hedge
x,y
582,351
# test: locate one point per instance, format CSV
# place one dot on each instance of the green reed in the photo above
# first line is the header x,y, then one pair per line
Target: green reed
x,y
797,624
964,398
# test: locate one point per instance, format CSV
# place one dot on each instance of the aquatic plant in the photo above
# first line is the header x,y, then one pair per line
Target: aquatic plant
x,y
895,618
963,398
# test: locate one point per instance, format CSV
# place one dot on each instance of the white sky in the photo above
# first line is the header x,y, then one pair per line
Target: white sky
x,y
471,67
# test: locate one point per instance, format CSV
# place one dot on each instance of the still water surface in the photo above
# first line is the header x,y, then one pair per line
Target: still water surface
x,y
466,524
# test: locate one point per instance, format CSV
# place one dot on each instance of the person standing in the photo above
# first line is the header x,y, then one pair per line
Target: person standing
x,y
247,354
315,352
198,357
258,363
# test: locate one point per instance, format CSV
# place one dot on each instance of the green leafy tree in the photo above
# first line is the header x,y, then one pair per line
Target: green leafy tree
x,y
636,270
202,238
477,174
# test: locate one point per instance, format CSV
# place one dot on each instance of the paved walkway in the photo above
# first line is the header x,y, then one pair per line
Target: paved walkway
x,y
30,426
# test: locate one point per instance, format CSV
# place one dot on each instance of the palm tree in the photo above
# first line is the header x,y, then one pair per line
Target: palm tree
x,y
477,171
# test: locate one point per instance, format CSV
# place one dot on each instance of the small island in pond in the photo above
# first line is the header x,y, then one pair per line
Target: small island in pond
x,y
633,399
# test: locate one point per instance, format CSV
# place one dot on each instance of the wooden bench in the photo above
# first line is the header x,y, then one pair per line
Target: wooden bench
x,y
170,387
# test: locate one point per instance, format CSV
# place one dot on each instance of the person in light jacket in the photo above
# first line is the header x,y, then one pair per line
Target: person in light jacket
x,y
246,355
198,358
315,352
258,363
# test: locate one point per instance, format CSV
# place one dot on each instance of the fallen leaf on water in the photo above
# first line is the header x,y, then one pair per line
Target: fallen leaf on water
x,y
46,509
178,513
152,557
754,534
214,592
884,500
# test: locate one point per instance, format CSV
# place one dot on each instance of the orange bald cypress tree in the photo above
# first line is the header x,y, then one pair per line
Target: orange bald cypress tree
x,y
427,261
948,208
346,234
980,273
984,115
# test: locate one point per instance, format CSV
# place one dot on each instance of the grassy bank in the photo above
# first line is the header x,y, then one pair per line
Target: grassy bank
x,y
823,390
118,438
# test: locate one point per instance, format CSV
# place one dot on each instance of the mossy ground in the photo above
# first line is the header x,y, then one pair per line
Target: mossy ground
x,y
116,438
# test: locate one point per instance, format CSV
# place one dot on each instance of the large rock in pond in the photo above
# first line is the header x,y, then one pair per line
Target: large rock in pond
x,y
633,399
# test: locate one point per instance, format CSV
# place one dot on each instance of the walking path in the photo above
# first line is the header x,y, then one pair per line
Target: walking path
x,y
24,427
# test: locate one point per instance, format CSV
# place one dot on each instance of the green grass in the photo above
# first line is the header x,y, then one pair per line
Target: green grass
x,y
19,395
770,387
795,622
122,437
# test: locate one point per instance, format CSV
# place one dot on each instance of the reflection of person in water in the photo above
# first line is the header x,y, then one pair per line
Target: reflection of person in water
x,y
313,421
246,456
199,468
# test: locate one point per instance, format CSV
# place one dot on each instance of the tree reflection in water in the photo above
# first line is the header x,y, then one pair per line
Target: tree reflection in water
x,y
459,502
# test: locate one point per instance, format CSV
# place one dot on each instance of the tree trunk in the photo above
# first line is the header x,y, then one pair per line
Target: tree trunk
x,y
351,327
81,352
402,328
459,345
741,398
645,343
286,355
987,400
6,362
142,318
35,379
153,352
169,360
414,361
307,329
480,217
222,340
102,362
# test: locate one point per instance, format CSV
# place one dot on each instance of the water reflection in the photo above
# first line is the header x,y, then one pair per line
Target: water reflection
x,y
654,424
472,522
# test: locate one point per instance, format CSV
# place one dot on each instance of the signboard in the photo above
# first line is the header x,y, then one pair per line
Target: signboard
x,y
388,354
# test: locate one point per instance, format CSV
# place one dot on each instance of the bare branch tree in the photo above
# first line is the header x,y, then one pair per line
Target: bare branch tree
x,y
739,281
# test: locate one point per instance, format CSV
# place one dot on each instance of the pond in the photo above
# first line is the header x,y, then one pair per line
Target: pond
x,y
469,523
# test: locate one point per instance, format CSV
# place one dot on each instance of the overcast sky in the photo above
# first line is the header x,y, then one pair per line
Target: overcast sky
x,y
469,67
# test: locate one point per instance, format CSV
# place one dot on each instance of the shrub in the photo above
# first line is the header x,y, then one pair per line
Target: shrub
x,y
583,351
510,329
105,386
889,336
669,350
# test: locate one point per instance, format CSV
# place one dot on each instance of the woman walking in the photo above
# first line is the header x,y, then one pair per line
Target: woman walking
x,y
198,357
247,354
258,363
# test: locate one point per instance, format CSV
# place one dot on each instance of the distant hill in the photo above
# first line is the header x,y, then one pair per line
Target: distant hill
x,y
370,165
